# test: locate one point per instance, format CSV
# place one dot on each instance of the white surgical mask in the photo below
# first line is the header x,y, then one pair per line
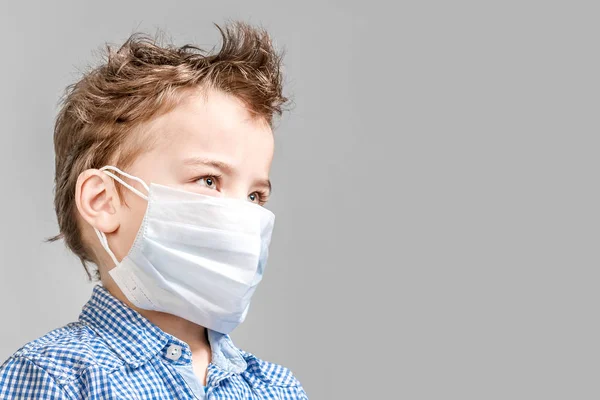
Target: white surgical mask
x,y
195,256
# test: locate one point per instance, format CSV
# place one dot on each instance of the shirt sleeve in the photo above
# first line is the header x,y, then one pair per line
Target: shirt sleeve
x,y
20,379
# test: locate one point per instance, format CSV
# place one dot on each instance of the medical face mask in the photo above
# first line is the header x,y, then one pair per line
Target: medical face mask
x,y
195,256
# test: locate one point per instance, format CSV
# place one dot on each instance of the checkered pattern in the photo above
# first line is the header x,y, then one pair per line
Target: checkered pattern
x,y
113,352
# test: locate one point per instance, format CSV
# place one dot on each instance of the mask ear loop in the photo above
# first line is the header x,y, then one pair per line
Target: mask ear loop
x,y
104,243
107,170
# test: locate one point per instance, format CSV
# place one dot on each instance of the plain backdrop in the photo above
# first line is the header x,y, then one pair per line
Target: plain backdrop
x,y
435,186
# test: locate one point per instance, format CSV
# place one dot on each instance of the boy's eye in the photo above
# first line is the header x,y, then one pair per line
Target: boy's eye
x,y
208,181
258,198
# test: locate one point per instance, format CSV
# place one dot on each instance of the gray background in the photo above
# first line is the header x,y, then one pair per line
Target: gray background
x,y
436,189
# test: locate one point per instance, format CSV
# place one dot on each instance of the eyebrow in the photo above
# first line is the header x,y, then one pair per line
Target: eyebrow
x,y
192,161
265,183
227,168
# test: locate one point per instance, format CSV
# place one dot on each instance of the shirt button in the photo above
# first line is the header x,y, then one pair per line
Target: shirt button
x,y
174,352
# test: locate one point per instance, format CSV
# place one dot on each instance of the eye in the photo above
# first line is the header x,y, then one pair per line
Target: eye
x,y
208,181
258,198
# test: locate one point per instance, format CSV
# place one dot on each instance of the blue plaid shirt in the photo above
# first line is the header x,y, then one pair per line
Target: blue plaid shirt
x,y
113,352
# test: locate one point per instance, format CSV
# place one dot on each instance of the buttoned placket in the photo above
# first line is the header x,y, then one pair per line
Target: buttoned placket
x,y
177,353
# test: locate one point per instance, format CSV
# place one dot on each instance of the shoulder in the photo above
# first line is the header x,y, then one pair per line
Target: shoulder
x,y
272,374
63,354
21,378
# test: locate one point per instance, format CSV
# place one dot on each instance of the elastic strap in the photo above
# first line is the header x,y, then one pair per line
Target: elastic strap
x,y
107,170
104,243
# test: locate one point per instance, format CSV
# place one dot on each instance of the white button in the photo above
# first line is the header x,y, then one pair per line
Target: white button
x,y
174,352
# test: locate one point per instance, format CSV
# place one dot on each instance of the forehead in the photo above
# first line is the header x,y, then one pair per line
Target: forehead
x,y
216,125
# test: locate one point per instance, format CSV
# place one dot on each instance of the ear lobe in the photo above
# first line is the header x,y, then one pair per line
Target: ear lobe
x,y
97,200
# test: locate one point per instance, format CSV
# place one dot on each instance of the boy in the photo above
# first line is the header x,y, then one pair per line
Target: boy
x,y
162,164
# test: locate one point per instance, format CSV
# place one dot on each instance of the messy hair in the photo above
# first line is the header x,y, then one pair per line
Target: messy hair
x,y
140,80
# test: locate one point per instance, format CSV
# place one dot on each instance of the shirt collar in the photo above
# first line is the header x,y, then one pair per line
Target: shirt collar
x,y
135,339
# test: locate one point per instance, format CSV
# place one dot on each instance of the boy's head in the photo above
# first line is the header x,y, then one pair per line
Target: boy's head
x,y
175,116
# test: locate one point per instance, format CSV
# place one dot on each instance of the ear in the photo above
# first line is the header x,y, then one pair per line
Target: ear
x,y
97,200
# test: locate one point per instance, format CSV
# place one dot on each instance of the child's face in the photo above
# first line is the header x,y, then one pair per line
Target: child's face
x,y
207,144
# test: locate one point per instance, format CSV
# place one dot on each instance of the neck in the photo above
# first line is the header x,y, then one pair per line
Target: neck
x,y
193,334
